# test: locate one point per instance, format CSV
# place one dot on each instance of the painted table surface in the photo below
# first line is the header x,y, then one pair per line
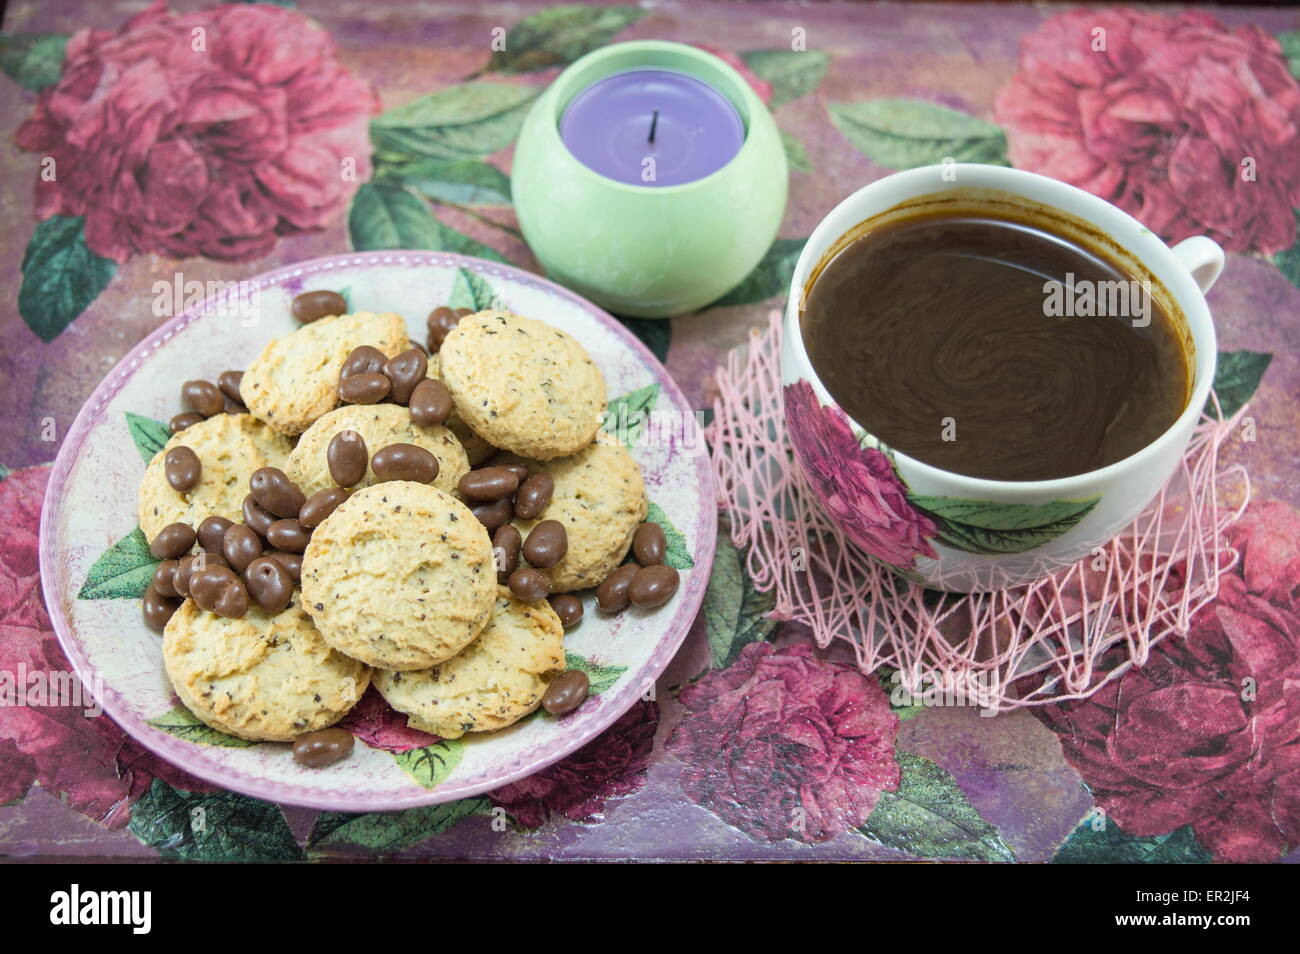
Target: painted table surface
x,y
756,746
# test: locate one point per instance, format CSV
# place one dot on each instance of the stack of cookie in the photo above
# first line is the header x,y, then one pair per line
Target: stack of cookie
x,y
323,523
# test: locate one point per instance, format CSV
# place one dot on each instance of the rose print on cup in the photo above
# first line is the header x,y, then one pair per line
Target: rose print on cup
x,y
860,487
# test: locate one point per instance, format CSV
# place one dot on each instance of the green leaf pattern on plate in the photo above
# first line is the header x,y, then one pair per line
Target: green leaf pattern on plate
x,y
471,290
602,678
122,572
430,765
625,416
183,724
148,435
679,554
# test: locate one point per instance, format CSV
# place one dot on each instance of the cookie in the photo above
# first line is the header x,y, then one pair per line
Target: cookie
x,y
522,385
476,448
495,681
600,498
229,447
259,677
295,378
378,425
400,576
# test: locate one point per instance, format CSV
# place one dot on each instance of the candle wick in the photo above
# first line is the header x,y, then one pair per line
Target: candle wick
x,y
654,121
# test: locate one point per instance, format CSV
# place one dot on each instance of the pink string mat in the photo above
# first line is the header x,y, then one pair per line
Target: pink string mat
x,y
1060,638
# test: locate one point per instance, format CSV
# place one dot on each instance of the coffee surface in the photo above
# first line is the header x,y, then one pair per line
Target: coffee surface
x,y
937,335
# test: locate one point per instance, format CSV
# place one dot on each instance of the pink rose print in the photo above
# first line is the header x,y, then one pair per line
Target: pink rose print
x,y
577,787
1160,121
216,151
88,762
1207,733
782,744
857,485
380,726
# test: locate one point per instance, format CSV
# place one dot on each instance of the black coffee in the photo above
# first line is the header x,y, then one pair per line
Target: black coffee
x,y
992,348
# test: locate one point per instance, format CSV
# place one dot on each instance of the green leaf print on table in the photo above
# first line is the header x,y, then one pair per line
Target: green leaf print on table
x,y
183,724
148,435
625,415
33,60
903,133
462,181
931,816
468,121
430,765
1098,840
1236,378
980,526
386,832
769,278
560,35
61,275
385,215
212,826
471,290
792,73
735,613
795,154
122,572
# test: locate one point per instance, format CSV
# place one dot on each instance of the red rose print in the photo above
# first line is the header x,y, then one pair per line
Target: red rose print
x,y
782,744
1207,733
87,761
856,484
577,787
380,726
1190,127
211,133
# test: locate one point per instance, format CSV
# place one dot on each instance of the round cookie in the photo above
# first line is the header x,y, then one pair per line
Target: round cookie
x,y
522,385
378,425
295,379
400,576
600,498
261,677
476,449
495,681
230,447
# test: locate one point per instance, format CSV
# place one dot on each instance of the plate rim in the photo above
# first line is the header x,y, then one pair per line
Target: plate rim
x,y
190,756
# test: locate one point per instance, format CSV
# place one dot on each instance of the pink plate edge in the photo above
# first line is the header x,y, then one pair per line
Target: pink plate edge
x,y
586,725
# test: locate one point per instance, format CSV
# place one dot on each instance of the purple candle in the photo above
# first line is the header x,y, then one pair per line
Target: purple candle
x,y
652,127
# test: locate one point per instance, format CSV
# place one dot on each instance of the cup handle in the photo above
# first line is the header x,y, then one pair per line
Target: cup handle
x,y
1203,258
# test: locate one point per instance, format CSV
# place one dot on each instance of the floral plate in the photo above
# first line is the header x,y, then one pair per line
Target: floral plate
x,y
96,564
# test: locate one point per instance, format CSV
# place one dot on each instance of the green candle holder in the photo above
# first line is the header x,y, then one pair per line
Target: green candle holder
x,y
648,251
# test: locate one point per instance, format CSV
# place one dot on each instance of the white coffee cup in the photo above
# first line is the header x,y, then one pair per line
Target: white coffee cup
x,y
960,533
